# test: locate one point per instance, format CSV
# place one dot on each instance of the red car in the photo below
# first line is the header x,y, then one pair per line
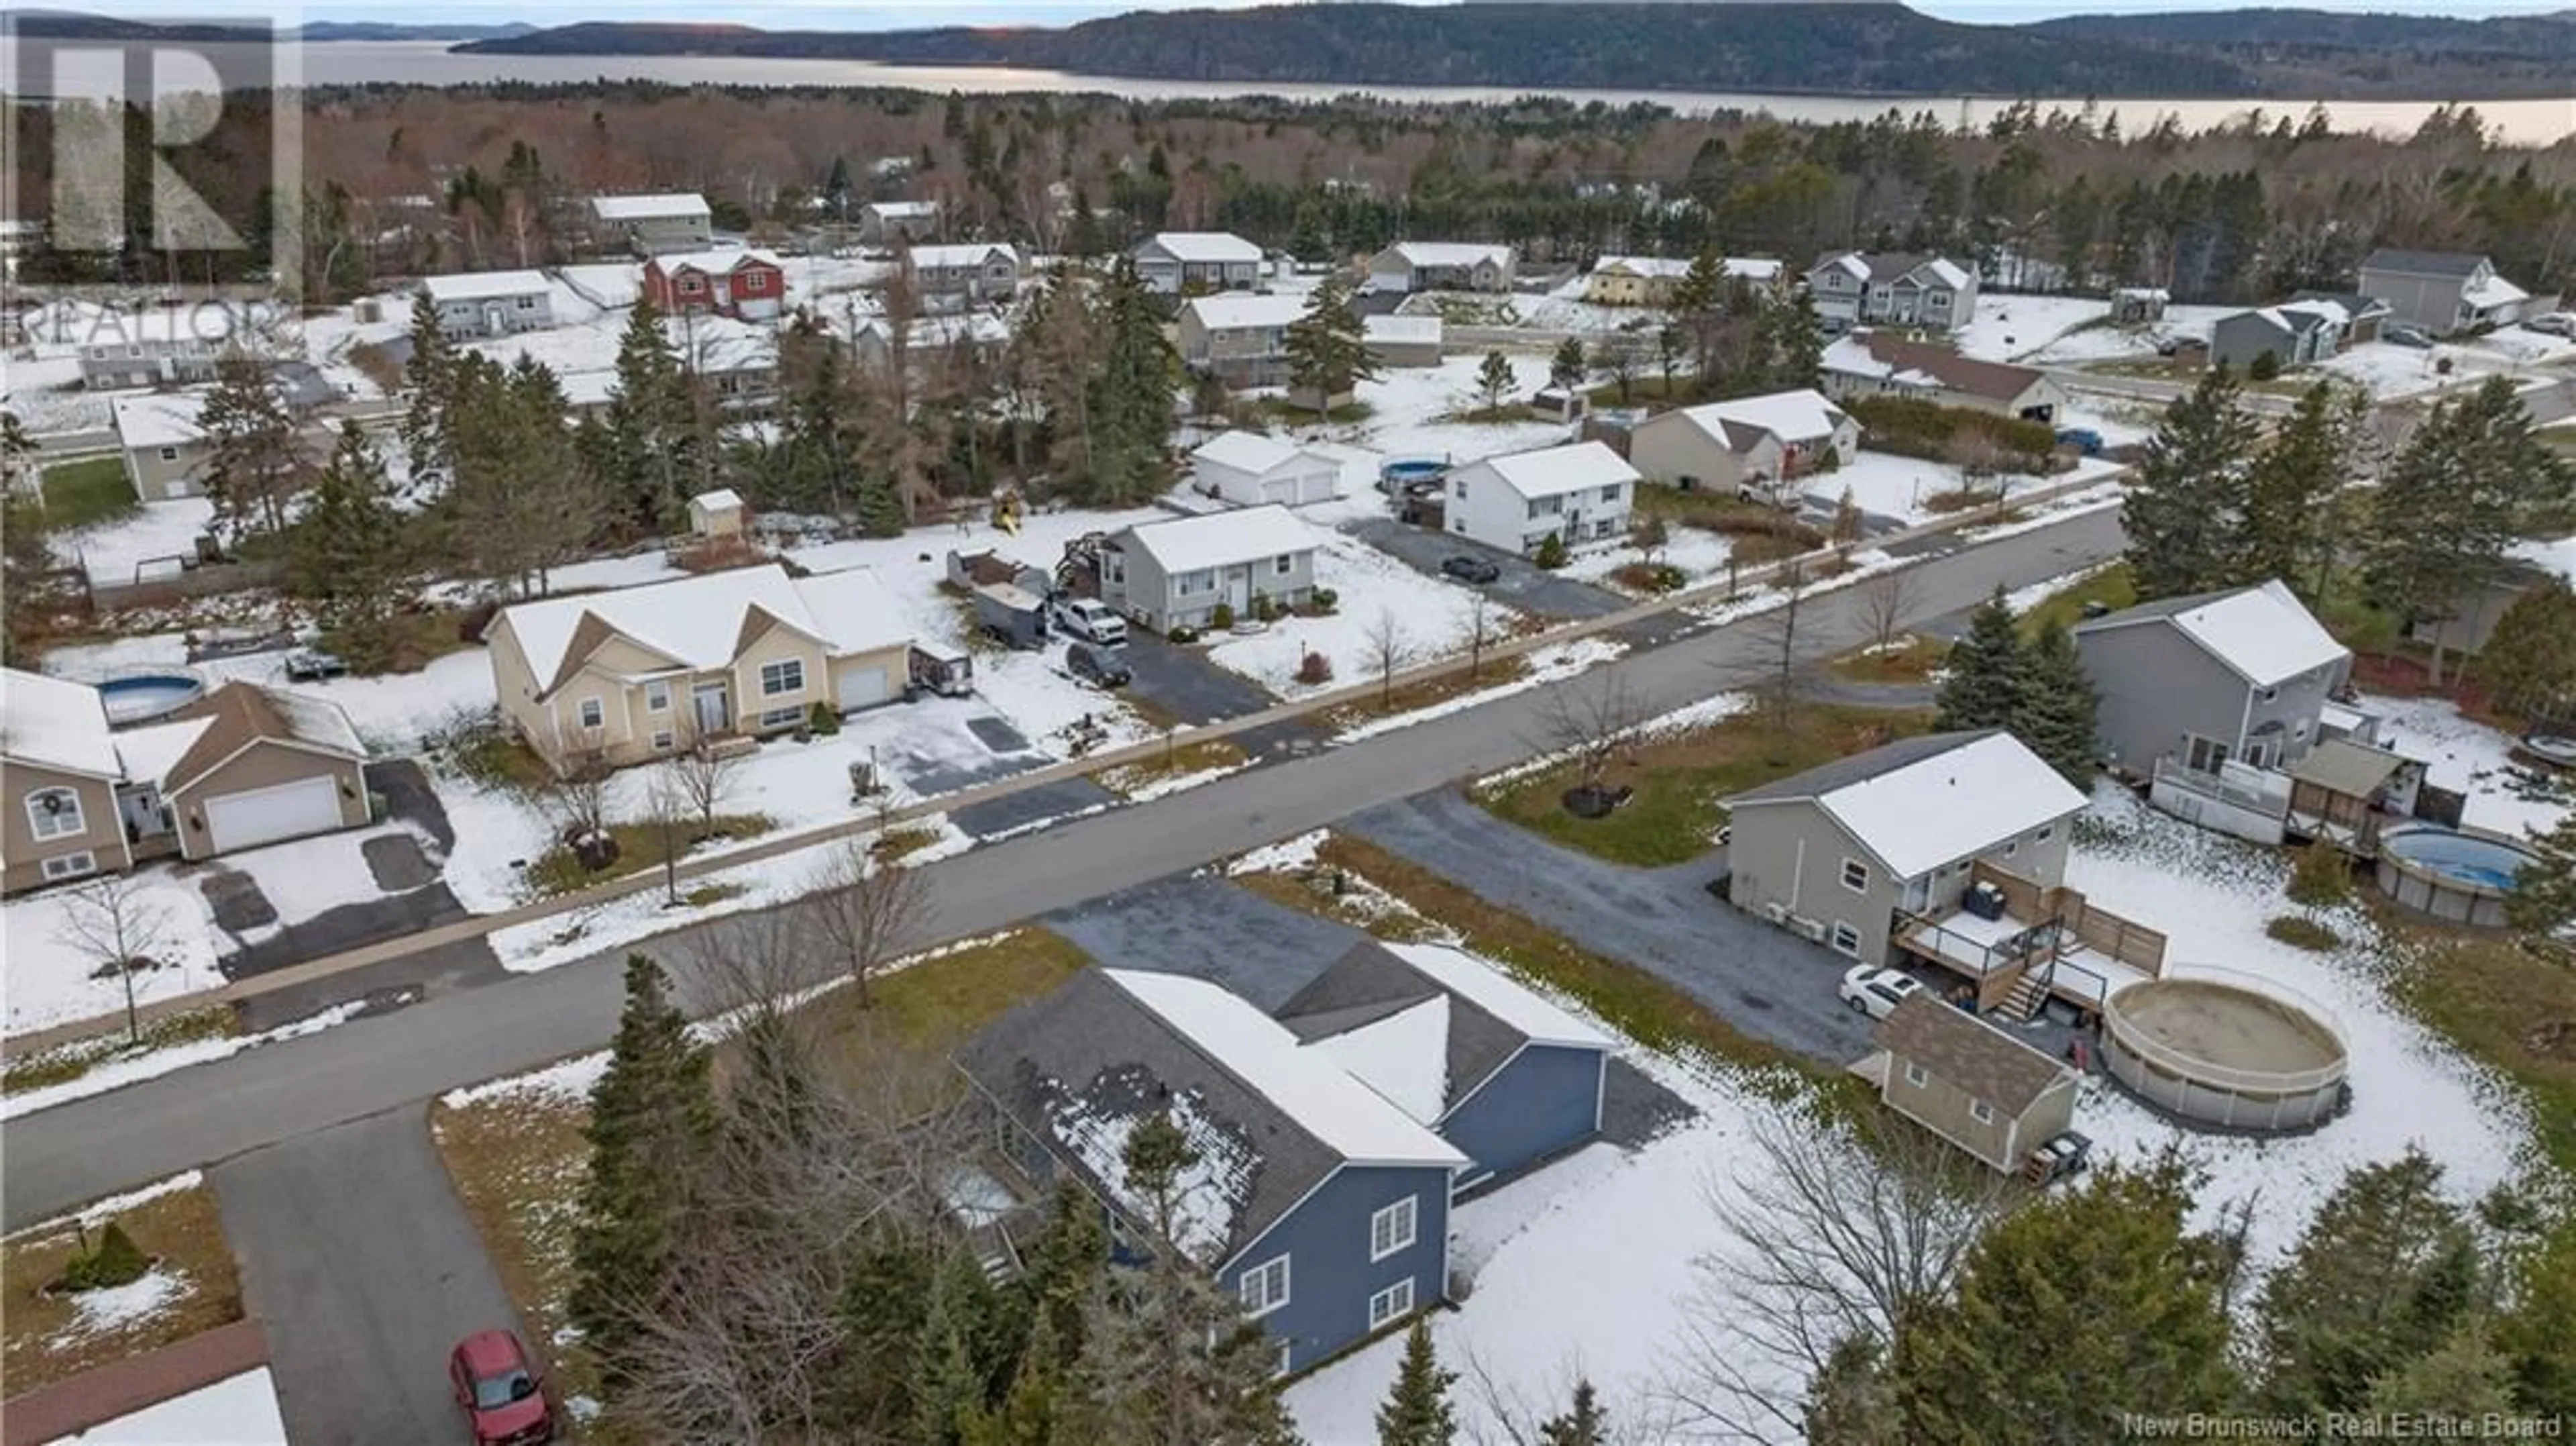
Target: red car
x,y
500,1392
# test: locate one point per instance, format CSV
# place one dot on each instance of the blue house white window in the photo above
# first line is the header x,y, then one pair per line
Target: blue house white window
x,y
1393,1303
1392,1229
1265,1287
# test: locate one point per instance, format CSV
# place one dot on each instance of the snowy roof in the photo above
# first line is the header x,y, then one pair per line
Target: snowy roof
x,y
2263,633
1489,1021
1922,802
1555,471
2557,557
976,328
235,716
2142,293
698,622
903,210
648,208
1402,329
2459,264
1672,267
723,499
2493,291
1948,273
1205,246
721,262
158,419
1256,453
483,285
1220,539
1404,1057
1235,309
1751,268
957,254
54,723
147,755
1451,253
1799,416
1489,989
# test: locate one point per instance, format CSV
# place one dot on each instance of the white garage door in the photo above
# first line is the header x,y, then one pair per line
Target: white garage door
x,y
862,688
263,815
1282,490
1317,486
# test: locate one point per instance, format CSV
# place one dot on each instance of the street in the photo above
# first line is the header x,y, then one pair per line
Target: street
x,y
89,1148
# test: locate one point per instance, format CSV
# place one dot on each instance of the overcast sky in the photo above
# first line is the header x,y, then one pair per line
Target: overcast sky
x,y
821,15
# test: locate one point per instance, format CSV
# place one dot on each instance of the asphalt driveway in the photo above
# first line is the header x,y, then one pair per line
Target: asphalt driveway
x,y
1524,584
1770,984
361,1261
1184,684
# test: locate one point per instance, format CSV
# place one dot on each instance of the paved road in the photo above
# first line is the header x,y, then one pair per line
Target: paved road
x,y
93,1147
366,1269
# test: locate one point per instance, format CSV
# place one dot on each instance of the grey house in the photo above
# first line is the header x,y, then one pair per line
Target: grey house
x,y
974,270
2441,291
2293,334
1193,263
1241,340
1315,1201
478,304
1835,852
1508,1078
2196,683
156,346
1168,575
1896,288
656,225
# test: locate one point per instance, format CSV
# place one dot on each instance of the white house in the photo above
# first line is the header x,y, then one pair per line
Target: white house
x,y
1174,263
1582,492
1176,574
476,304
1409,266
1248,469
1755,447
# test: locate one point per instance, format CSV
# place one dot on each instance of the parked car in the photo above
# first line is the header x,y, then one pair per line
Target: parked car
x,y
2414,336
1467,567
1097,665
2082,439
1876,992
2066,1153
2553,323
1090,620
503,1398
312,665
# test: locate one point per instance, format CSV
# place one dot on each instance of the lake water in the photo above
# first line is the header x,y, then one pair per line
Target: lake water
x,y
2523,122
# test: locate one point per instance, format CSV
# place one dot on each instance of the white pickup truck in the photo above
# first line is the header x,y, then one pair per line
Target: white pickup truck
x,y
1087,619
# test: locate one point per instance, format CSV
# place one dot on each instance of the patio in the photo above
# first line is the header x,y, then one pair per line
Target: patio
x,y
2044,943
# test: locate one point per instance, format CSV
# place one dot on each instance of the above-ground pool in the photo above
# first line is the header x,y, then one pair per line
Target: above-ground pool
x,y
2237,1056
2462,877
1396,476
144,697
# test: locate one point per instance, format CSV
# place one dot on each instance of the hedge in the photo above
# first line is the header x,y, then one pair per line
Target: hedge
x,y
1914,427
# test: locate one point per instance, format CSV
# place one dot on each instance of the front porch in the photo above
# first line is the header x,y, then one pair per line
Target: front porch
x,y
2045,942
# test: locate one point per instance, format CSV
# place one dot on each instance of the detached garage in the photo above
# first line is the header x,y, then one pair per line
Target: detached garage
x,y
245,766
1249,470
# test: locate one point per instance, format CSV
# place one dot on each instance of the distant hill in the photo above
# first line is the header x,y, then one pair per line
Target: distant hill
x,y
1875,49
380,30
73,25
2541,35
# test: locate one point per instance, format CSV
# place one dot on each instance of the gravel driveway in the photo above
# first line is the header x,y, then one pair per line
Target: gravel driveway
x,y
1769,984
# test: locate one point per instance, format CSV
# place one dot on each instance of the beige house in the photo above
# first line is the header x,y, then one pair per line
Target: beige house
x,y
1868,363
634,674
59,773
165,450
1969,1082
1754,447
1635,280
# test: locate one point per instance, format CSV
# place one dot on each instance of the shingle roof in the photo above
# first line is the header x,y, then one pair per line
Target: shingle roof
x,y
239,714
1919,803
1369,984
2263,633
2343,766
1965,1051
1256,452
1995,381
54,723
2422,263
1233,309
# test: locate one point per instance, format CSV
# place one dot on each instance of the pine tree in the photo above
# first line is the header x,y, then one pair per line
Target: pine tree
x,y
1494,381
2055,716
1794,339
2464,1377
653,418
2371,1285
652,1124
2185,514
254,460
348,556
2529,661
1700,313
1327,350
2289,492
427,430
1417,1411
1585,1423
1984,683
1852,1400
26,555
949,1376
1130,396
2532,1331
15,448
1565,370
2543,901
885,1299
2468,482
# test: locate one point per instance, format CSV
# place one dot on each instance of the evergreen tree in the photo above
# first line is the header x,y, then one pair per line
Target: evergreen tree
x,y
1566,369
16,447
2529,661
1984,683
1494,381
1793,338
2374,1283
652,1124
2185,514
885,1300
2107,1284
1585,1423
1852,1400
2055,716
254,461
348,556
1130,396
1327,350
2543,901
26,554
2463,1377
1700,313
2289,492
2467,483
653,419
948,1379
2532,1332
429,404
1417,1411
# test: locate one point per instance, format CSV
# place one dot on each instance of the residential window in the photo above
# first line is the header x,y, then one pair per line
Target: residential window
x,y
2046,832
2012,847
1856,876
1981,1112
662,741
1393,1303
1189,583
782,717
691,285
70,866
1392,1229
1610,493
2204,755
1284,564
1265,1287
657,697
527,303
56,813
1458,488
2271,693
1917,1076
591,714
784,676
169,454
1279,1366
1846,939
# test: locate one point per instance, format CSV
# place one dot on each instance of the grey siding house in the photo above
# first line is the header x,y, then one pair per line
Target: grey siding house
x,y
2441,291
1322,1206
1508,1078
1168,575
2199,682
1240,340
655,225
1193,263
478,304
1835,852
2293,335
1896,288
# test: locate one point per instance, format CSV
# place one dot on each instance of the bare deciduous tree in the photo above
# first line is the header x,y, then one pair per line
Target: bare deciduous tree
x,y
1480,632
1887,606
1389,649
1769,669
866,908
1837,1232
114,922
1587,721
577,796
700,771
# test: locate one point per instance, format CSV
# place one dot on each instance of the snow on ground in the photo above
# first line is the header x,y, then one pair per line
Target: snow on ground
x,y
309,877
2057,330
2391,372
1546,665
1883,484
2023,599
97,1312
1432,618
1414,414
133,1069
1707,712
1698,552
236,1411
46,393
568,1082
48,977
2470,758
114,552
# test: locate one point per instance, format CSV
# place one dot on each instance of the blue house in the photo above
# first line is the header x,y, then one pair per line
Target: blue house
x,y
1508,1078
1319,1203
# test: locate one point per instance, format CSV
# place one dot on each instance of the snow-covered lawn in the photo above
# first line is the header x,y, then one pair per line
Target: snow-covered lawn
x,y
2471,758
1415,413
1698,552
236,1411
1883,484
2056,330
2391,372
1550,664
111,552
45,391
48,978
1432,619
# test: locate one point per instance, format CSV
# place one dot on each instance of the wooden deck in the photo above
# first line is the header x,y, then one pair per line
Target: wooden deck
x,y
2051,942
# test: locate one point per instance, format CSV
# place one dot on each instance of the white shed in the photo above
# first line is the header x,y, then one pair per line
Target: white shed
x,y
1248,469
716,514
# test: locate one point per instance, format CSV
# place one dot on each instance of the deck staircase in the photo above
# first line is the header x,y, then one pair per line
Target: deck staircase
x,y
2029,993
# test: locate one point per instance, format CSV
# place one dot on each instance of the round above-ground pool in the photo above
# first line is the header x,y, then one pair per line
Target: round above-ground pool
x,y
1398,475
2235,1056
2461,877
145,697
